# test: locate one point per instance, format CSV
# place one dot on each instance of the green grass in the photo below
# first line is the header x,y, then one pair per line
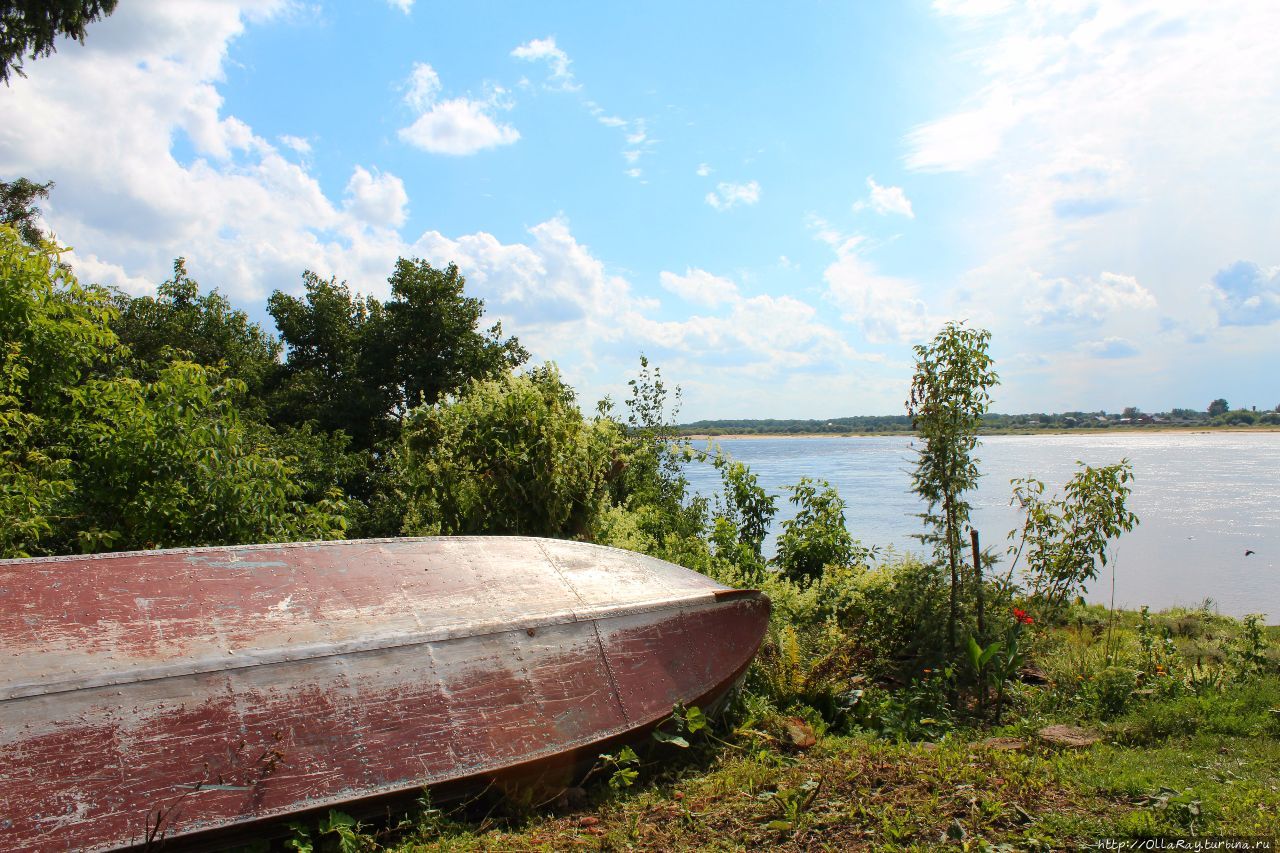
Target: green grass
x,y
1178,755
1214,772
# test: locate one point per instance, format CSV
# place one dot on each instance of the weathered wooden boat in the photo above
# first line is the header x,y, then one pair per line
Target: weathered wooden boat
x,y
177,693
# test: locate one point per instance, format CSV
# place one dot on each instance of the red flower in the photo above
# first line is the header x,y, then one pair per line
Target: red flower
x,y
1022,617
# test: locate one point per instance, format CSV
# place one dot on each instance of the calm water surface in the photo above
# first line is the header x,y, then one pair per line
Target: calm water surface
x,y
1203,500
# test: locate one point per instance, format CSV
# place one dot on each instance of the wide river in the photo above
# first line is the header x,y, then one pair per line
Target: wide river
x,y
1203,499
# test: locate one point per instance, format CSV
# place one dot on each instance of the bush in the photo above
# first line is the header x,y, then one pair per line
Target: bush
x,y
1108,693
817,537
512,455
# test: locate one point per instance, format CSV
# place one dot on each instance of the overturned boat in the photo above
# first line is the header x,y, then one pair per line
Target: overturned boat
x,y
174,694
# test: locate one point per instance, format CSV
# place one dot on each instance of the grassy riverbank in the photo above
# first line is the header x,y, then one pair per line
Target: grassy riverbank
x,y
1189,746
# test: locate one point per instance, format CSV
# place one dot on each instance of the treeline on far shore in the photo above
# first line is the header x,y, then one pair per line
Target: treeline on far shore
x,y
1219,414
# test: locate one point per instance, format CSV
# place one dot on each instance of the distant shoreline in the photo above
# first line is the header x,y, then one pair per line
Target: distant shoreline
x,y
1189,430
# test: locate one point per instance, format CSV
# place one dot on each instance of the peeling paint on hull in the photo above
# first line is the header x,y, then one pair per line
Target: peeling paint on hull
x,y
222,686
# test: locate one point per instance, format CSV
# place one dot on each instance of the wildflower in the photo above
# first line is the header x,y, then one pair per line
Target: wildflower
x,y
1022,617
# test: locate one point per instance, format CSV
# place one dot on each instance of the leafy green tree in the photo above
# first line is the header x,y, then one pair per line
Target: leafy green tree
x,y
949,394
18,208
31,28
431,344
329,379
743,515
818,536
1218,407
509,455
52,335
94,459
180,323
169,463
1065,539
358,365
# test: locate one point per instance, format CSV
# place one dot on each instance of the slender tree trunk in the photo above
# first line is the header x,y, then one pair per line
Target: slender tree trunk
x,y
979,598
952,547
977,579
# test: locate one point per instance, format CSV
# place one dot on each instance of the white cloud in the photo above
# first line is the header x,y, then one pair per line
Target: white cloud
x,y
885,200
634,173
297,143
567,307
458,126
1095,139
703,170
422,88
1110,348
403,5
700,286
1245,294
247,219
887,309
963,140
545,50
728,195
376,198
1085,300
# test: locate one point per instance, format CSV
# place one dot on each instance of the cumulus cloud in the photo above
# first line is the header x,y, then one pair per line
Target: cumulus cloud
x,y
1084,300
403,5
885,200
703,170
700,286
375,198
729,195
886,308
456,126
296,143
545,50
1245,294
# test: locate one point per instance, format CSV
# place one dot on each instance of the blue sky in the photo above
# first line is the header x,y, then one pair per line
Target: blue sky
x,y
772,203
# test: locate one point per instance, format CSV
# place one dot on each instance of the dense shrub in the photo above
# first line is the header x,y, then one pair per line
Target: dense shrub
x,y
95,459
507,455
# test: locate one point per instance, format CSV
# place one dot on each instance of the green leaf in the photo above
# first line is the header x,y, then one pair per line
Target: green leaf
x,y
975,654
695,720
675,740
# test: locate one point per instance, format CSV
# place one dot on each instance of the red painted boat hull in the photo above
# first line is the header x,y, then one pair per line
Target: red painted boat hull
x,y
207,689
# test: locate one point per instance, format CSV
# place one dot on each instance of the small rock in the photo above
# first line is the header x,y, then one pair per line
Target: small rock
x,y
798,733
1070,737
588,820
1033,675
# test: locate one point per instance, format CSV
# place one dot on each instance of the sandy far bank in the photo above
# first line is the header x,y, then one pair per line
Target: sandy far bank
x,y
1077,432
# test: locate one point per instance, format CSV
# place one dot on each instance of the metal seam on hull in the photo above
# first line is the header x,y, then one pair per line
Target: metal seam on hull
x,y
608,668
319,651
555,566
